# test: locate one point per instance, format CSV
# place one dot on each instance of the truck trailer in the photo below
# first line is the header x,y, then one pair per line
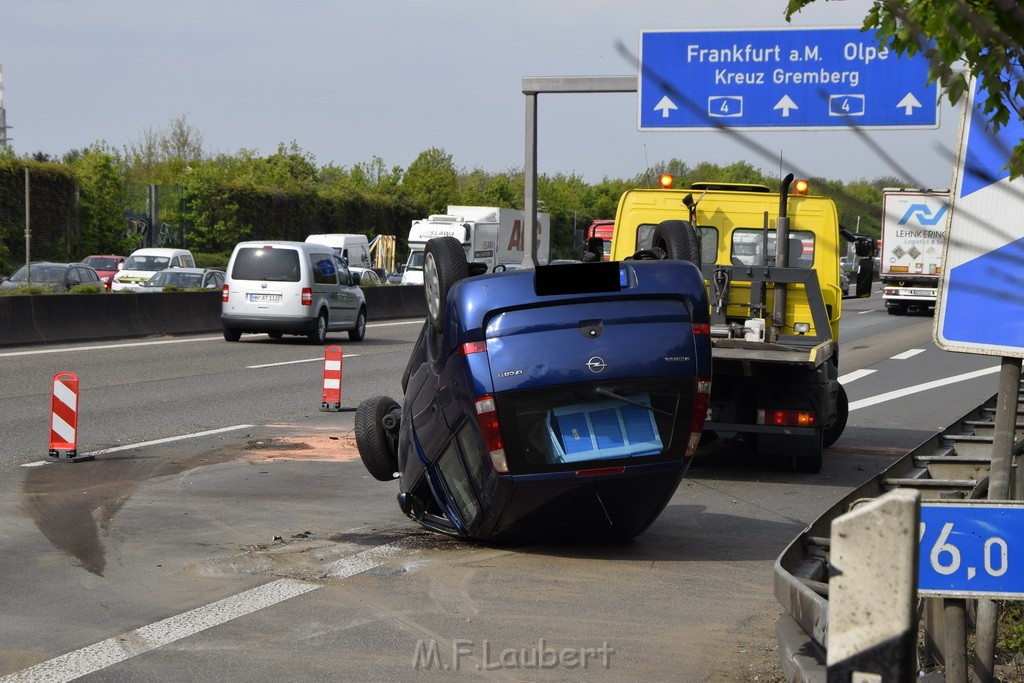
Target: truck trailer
x,y
913,239
489,235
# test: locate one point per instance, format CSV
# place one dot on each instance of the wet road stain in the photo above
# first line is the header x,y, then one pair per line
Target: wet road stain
x,y
72,504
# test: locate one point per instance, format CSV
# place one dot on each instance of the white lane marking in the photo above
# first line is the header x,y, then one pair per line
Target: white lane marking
x,y
918,388
855,375
114,650
293,362
863,312
909,353
39,352
101,347
155,442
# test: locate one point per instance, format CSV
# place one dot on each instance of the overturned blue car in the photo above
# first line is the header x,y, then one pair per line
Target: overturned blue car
x,y
562,401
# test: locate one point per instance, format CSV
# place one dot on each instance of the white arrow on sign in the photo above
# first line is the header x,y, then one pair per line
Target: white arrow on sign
x,y
664,106
908,103
785,104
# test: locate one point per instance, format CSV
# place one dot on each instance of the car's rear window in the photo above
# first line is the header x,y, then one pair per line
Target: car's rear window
x,y
101,263
266,263
558,428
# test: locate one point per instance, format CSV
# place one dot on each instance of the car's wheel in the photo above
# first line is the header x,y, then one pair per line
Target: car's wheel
x,y
835,430
275,335
377,447
444,264
678,240
231,334
359,331
318,335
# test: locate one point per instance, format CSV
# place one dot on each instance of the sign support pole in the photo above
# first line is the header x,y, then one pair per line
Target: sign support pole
x,y
999,488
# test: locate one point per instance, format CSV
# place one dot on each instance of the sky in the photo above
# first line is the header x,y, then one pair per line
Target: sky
x,y
349,80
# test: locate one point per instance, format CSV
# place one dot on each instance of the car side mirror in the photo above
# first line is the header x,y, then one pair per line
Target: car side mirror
x,y
355,278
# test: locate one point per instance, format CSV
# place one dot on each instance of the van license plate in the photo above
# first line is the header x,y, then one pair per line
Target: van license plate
x,y
265,298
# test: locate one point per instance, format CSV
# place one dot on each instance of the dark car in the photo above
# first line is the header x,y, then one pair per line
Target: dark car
x,y
564,400
59,277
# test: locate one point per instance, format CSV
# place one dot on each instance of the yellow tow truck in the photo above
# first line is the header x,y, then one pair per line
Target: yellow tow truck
x,y
771,264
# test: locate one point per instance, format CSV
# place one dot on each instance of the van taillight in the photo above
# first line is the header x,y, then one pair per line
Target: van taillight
x,y
307,296
487,418
224,294
701,398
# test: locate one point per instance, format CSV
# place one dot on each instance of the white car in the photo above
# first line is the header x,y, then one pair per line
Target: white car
x,y
141,265
290,288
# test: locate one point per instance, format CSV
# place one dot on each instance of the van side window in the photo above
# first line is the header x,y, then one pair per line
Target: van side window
x,y
325,271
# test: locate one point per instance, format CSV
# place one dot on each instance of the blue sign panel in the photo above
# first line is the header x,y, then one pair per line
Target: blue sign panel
x,y
810,78
971,550
980,306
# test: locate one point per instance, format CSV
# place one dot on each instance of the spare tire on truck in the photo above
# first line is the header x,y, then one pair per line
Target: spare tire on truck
x,y
678,240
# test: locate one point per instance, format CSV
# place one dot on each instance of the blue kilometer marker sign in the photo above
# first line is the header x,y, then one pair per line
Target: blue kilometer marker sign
x,y
971,550
803,78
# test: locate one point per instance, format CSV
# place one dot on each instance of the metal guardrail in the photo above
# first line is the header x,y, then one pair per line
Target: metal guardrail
x,y
954,463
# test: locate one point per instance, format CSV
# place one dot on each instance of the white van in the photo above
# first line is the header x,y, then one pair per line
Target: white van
x,y
354,249
141,265
298,288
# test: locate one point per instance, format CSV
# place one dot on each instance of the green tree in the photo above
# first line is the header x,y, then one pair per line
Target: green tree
x,y
101,203
431,181
986,35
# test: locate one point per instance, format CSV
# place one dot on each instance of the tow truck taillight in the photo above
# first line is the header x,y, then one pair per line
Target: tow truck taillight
x,y
307,296
701,398
487,418
786,418
223,294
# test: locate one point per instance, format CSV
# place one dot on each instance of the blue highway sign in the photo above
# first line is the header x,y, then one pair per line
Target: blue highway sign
x,y
971,550
980,308
768,79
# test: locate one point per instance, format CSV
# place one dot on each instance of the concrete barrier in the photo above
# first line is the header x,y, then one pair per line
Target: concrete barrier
x,y
57,318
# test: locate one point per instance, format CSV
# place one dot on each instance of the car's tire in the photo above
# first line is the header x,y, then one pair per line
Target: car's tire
x,y
275,335
444,264
678,240
377,448
835,430
318,335
231,334
359,331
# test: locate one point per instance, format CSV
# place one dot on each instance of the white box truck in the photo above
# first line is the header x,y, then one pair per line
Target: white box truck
x,y
490,235
913,238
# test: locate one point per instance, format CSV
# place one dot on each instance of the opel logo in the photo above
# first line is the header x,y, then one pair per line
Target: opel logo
x,y
596,365
263,285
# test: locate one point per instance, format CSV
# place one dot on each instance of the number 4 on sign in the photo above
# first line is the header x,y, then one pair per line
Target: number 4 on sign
x,y
730,106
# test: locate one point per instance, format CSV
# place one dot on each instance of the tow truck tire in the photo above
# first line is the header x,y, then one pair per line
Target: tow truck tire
x,y
377,448
444,264
835,430
678,240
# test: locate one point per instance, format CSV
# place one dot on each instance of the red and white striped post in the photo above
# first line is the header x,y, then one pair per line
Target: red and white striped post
x,y
332,379
64,417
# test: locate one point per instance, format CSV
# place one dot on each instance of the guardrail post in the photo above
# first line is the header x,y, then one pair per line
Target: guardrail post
x,y
872,631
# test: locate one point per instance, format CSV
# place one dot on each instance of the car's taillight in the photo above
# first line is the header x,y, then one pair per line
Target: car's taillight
x,y
224,294
307,296
700,328
487,418
701,398
473,347
786,418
